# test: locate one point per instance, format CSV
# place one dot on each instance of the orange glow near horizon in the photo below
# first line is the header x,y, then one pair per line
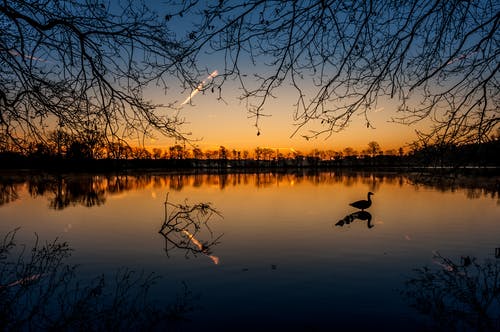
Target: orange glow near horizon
x,y
224,120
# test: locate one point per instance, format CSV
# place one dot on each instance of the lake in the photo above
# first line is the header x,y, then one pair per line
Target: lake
x,y
264,251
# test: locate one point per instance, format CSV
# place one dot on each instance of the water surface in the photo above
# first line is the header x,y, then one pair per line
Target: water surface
x,y
278,256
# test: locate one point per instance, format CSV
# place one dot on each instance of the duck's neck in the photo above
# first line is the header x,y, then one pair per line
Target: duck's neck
x,y
369,198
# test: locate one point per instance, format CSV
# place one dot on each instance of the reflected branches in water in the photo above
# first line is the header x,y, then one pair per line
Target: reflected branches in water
x,y
474,186
65,190
360,215
185,225
461,296
41,292
86,192
8,193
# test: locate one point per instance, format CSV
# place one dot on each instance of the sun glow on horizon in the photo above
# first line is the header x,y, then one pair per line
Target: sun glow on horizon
x,y
223,120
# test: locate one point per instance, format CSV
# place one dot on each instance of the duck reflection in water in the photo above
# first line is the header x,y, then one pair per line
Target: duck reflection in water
x,y
361,215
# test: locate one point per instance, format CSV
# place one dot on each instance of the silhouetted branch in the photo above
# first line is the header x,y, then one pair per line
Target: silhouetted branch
x,y
83,65
435,60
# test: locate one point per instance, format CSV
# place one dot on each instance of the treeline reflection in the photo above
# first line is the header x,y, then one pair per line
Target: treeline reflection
x,y
63,190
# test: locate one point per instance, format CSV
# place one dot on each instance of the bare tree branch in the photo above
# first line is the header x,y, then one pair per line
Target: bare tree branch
x,y
85,64
436,59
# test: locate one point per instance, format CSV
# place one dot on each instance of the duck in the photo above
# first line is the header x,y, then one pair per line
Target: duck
x,y
363,204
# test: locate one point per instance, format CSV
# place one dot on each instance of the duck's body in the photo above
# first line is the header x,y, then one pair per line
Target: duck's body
x,y
363,204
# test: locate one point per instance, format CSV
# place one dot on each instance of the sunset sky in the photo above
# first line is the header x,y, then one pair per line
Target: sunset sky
x,y
318,77
226,122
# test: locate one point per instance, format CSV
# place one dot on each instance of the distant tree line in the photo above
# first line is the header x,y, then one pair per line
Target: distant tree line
x,y
93,145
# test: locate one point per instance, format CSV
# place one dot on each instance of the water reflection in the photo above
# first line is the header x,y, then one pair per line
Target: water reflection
x,y
286,222
361,215
185,225
475,186
457,297
8,192
42,291
64,190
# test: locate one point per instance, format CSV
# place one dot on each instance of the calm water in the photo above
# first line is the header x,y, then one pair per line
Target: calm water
x,y
278,256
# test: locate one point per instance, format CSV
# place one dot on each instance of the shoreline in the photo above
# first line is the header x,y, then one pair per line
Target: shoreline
x,y
383,163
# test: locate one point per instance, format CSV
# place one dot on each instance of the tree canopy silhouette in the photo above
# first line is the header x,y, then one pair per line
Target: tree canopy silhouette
x,y
83,65
438,60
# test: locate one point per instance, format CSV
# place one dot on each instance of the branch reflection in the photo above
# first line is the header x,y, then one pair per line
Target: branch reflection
x,y
184,225
361,215
461,296
65,190
8,193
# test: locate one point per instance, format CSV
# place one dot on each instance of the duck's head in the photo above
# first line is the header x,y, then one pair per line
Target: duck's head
x,y
370,193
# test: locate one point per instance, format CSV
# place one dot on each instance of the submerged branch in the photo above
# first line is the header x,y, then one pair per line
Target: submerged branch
x,y
184,224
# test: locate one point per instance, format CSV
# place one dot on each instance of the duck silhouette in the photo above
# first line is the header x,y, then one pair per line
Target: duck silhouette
x,y
363,204
361,215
